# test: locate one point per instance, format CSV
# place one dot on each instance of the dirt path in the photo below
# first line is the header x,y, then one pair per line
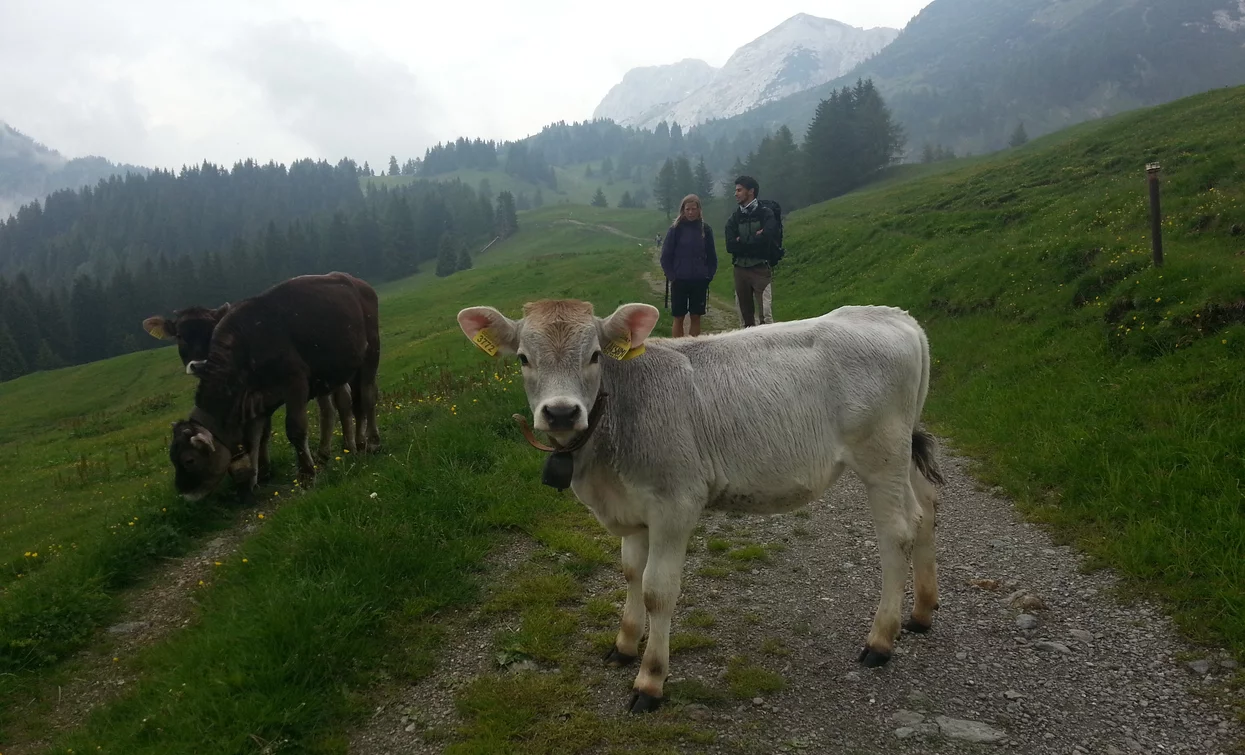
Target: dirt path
x,y
719,314
794,595
606,228
162,604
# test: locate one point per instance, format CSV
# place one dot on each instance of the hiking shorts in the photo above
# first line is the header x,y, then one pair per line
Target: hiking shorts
x,y
688,297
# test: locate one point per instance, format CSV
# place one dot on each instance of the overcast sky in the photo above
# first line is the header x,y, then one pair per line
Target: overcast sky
x,y
159,83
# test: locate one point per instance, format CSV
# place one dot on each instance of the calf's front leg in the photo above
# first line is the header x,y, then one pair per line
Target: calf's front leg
x,y
627,645
663,574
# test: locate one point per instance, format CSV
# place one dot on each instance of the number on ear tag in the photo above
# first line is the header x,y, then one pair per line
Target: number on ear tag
x,y
618,348
156,331
484,339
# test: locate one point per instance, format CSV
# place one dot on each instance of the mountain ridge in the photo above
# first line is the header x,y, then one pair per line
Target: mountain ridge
x,y
30,171
800,53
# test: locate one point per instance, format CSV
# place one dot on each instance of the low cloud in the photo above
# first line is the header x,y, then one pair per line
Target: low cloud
x,y
337,102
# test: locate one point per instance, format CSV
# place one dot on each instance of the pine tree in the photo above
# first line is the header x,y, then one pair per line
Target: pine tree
x,y
588,171
399,238
851,138
1019,136
607,167
11,362
704,181
47,359
447,258
507,217
393,166
684,181
464,258
15,309
665,188
625,202
598,199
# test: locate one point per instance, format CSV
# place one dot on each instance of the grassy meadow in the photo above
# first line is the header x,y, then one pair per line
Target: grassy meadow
x,y
89,511
1104,394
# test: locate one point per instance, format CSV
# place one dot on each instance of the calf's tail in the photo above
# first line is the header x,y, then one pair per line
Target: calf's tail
x,y
923,456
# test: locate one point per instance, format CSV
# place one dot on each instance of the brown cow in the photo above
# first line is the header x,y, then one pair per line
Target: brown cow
x,y
296,340
192,329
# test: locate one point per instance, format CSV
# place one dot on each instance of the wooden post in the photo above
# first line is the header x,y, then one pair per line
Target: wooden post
x,y
1156,218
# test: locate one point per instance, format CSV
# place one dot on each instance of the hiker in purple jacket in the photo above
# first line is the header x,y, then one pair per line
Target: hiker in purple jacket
x,y
690,262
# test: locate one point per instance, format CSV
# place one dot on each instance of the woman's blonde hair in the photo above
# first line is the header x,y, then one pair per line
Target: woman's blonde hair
x,y
679,218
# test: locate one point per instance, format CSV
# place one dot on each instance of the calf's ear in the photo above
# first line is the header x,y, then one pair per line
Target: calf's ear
x,y
624,332
220,312
490,330
160,327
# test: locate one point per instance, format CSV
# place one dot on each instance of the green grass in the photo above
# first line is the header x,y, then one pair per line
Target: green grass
x,y
747,679
282,639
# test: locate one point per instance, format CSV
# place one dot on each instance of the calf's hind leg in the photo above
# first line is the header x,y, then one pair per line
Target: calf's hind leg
x,y
296,427
896,518
924,567
345,410
327,419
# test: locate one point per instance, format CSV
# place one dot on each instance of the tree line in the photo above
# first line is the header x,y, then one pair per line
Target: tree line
x,y
850,140
126,220
387,234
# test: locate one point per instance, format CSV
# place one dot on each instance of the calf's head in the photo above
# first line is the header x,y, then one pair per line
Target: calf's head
x,y
191,328
200,461
560,345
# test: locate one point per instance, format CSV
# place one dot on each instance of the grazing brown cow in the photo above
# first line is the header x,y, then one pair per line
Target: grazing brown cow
x,y
298,339
192,329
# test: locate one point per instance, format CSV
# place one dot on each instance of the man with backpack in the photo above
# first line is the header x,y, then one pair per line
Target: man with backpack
x,y
754,240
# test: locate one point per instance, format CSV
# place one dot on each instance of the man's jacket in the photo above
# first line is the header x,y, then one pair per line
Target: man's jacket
x,y
751,249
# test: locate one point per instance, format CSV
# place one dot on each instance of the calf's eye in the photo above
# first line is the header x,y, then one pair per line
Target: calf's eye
x,y
596,357
523,360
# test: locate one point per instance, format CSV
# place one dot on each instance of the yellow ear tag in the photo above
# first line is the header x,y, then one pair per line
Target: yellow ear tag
x,y
620,349
484,340
156,331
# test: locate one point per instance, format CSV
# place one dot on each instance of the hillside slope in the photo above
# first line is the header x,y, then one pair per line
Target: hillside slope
x,y
1094,387
963,73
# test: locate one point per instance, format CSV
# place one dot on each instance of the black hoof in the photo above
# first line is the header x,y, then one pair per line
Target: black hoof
x,y
872,658
912,625
642,702
617,658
